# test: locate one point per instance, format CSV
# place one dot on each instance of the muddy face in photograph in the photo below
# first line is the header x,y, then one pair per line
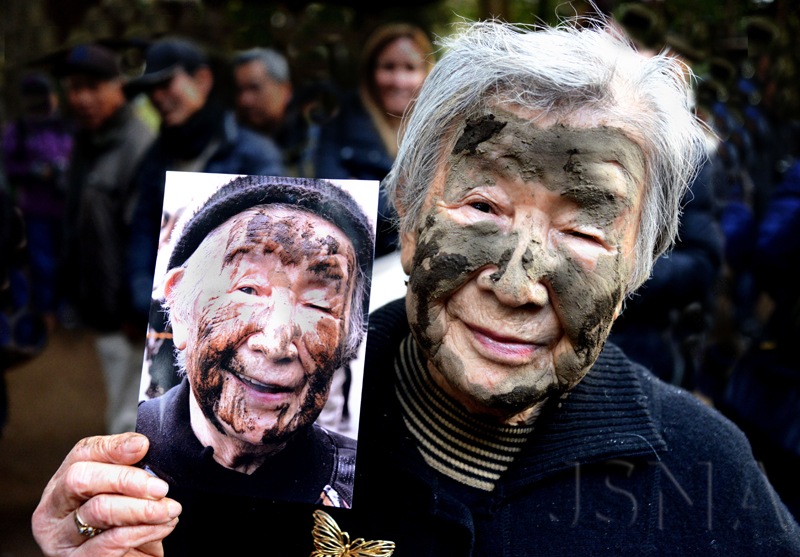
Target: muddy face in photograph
x,y
522,257
269,322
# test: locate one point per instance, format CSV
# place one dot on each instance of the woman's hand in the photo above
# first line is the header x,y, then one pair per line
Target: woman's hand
x,y
125,503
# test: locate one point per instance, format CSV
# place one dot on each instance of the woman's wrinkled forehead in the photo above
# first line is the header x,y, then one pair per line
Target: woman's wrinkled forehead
x,y
558,154
292,234
567,154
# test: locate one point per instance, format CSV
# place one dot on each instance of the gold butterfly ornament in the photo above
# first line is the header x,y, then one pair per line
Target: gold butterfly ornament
x,y
330,541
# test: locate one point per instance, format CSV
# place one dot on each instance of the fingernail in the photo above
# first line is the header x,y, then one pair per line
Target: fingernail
x,y
157,488
134,443
174,509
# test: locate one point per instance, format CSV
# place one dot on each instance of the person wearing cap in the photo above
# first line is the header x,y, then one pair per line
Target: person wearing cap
x,y
109,147
266,293
197,134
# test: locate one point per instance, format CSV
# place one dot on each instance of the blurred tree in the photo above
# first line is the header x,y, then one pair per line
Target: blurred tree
x,y
323,39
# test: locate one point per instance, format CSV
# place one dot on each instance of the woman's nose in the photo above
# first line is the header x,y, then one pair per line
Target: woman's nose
x,y
522,280
278,331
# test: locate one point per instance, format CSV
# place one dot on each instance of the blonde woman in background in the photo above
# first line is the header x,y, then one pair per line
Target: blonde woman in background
x,y
361,141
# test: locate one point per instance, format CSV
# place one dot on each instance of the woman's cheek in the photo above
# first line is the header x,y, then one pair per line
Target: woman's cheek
x,y
587,301
584,251
321,337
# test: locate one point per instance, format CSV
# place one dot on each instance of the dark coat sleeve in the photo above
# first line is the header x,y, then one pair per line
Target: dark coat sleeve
x,y
778,241
246,152
143,241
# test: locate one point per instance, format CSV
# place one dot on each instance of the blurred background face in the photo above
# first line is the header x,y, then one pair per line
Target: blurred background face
x,y
399,71
260,101
181,96
93,100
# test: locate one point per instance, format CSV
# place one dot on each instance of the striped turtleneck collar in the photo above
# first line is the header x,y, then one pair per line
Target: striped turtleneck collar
x,y
470,450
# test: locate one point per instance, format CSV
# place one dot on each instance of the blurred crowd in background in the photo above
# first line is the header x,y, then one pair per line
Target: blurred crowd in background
x,y
99,102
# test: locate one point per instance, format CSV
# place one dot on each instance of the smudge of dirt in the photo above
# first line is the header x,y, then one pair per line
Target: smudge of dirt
x,y
476,131
563,158
447,254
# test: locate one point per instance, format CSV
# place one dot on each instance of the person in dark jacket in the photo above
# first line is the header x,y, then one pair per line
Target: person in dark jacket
x,y
497,419
763,391
267,102
109,148
16,322
36,149
197,135
361,141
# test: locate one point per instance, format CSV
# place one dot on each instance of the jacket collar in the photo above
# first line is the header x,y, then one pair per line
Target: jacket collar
x,y
605,416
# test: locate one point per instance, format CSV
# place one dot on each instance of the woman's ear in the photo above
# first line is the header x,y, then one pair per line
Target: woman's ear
x,y
180,329
408,247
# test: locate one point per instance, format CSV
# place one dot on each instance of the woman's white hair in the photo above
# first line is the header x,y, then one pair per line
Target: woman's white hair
x,y
558,70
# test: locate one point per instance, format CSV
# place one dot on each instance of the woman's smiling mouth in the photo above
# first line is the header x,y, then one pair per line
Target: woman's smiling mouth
x,y
502,348
259,387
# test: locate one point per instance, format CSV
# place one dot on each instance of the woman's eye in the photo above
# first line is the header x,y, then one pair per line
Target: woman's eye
x,y
320,308
583,236
249,290
481,206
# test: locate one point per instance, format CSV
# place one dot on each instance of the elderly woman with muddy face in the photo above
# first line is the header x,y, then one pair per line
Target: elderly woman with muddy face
x,y
539,177
534,211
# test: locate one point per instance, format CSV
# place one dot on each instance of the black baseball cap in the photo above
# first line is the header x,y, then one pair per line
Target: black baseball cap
x,y
163,60
90,59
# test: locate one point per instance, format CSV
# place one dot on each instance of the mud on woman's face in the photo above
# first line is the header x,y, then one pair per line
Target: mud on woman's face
x,y
522,258
270,322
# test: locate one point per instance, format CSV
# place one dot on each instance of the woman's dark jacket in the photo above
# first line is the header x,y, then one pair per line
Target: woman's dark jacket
x,y
351,148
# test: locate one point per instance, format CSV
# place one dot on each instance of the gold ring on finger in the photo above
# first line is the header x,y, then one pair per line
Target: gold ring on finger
x,y
83,528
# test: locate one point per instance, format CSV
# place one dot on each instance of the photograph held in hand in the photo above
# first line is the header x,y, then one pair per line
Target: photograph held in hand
x,y
266,289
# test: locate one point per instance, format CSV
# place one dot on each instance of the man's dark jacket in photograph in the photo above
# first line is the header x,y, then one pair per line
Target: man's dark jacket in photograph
x,y
314,461
101,199
624,464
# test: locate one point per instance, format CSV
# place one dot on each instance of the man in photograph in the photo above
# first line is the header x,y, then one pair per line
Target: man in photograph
x,y
266,295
